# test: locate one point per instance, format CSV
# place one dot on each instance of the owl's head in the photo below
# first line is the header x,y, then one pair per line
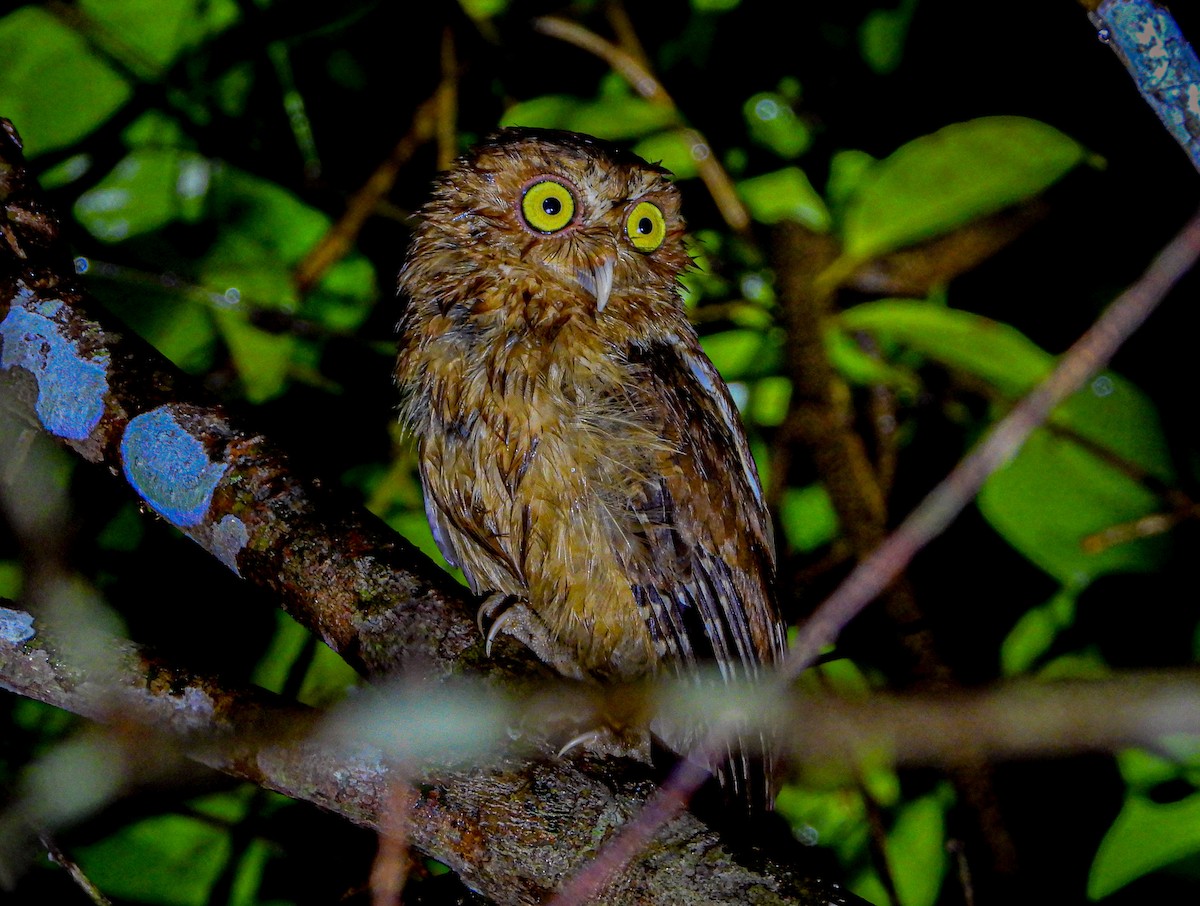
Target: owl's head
x,y
549,214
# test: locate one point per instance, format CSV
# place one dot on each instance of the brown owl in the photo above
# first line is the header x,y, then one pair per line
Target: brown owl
x,y
581,457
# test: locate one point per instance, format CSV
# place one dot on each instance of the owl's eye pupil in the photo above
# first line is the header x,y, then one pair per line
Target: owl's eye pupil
x,y
645,226
551,206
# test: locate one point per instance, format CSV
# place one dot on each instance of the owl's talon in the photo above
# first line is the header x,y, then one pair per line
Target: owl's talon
x,y
582,740
492,610
513,618
512,613
606,742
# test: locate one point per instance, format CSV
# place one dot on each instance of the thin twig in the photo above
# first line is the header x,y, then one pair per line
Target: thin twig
x,y
85,883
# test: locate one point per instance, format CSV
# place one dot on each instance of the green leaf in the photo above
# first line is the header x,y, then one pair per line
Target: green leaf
x,y
847,171
743,353
51,85
994,352
616,113
483,9
149,188
865,370
266,231
672,149
881,37
773,124
808,517
916,854
784,195
1144,837
12,578
327,678
153,32
263,359
834,818
170,860
1036,631
1053,495
958,174
769,399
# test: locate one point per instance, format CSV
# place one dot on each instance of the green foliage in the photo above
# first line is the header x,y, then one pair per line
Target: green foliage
x,y
784,195
941,181
46,62
1147,835
170,859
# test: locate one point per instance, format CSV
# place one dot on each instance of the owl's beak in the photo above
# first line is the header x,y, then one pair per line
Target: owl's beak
x,y
597,280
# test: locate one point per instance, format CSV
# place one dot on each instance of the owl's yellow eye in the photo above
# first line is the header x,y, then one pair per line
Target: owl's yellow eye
x,y
646,226
548,206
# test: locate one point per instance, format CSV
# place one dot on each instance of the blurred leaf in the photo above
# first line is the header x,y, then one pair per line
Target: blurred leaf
x,y
882,35
769,398
327,678
263,359
847,171
743,353
12,577
1142,770
1145,836
148,189
185,334
959,173
170,860
916,854
808,518
155,31
773,124
1036,631
51,85
784,195
834,818
672,149
715,6
265,232
248,878
124,531
616,114
483,9
861,368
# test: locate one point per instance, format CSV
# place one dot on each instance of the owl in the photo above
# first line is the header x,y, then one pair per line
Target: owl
x,y
581,458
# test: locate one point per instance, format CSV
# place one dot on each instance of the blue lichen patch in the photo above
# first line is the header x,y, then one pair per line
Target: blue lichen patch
x,y
70,383
229,537
16,626
169,467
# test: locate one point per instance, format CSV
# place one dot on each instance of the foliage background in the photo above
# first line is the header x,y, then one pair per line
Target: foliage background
x,y
203,148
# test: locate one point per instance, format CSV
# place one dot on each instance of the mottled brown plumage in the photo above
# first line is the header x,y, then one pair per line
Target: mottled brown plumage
x,y
578,450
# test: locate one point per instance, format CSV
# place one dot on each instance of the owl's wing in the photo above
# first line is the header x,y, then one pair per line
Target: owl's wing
x,y
705,580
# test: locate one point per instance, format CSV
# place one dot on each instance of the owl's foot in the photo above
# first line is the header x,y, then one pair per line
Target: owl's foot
x,y
509,615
